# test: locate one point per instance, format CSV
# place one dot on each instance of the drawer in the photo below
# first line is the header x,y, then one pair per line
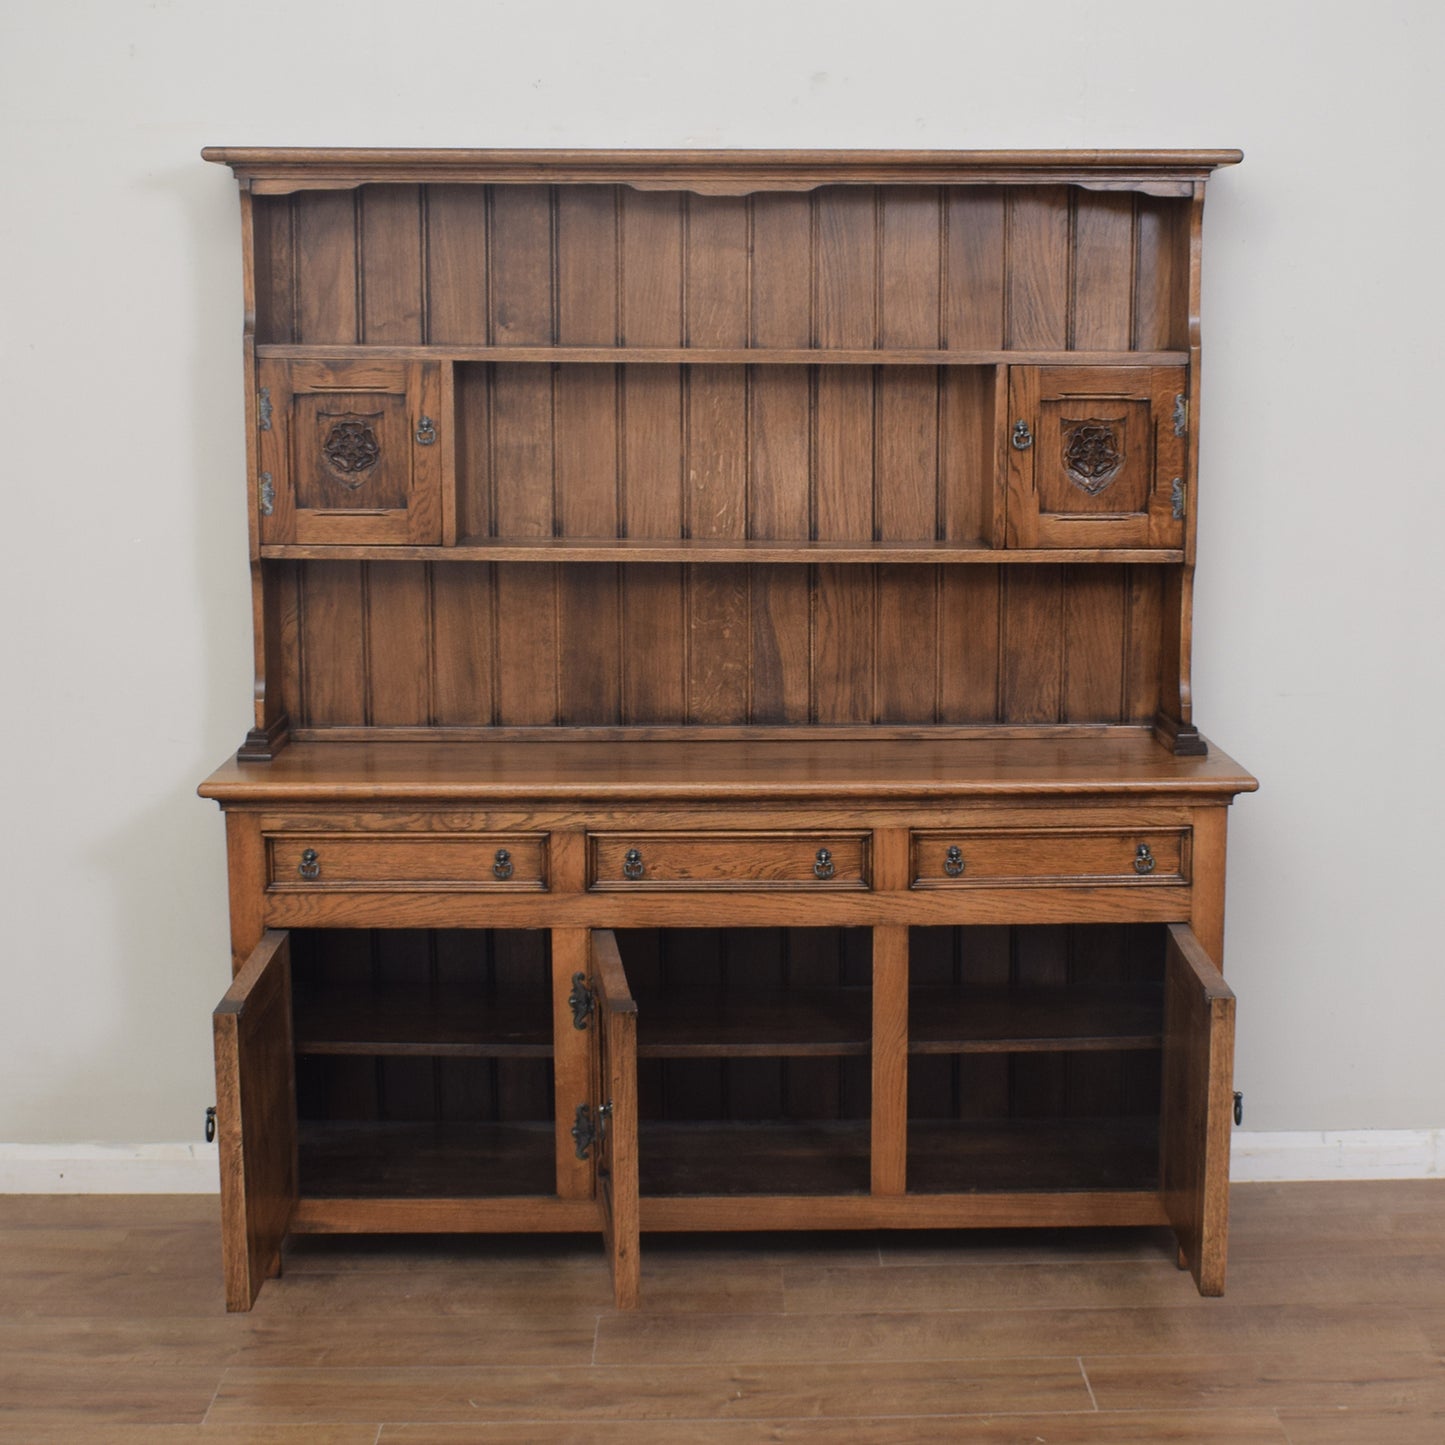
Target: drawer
x,y
1049,856
635,861
464,862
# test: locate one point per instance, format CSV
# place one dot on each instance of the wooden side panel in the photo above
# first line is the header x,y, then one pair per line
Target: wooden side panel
x,y
616,1090
1196,1106
1161,274
274,268
256,1118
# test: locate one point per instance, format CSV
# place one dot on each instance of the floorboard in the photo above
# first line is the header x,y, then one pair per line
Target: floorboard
x,y
1331,1332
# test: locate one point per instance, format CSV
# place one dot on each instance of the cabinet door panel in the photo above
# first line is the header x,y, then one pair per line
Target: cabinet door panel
x,y
1096,457
355,452
614,1099
256,1117
1196,1105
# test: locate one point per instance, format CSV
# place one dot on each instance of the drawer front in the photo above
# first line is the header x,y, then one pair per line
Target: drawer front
x,y
494,861
637,861
967,858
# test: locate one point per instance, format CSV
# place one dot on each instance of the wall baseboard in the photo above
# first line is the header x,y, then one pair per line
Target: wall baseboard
x,y
192,1168
109,1169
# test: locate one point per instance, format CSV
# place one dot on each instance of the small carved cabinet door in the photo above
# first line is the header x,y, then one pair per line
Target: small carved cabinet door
x,y
1097,456
351,453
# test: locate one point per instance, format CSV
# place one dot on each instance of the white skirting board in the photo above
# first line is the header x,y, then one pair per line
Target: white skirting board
x,y
191,1168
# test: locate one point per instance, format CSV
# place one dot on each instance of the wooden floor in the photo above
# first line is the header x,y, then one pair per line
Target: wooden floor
x,y
1333,1330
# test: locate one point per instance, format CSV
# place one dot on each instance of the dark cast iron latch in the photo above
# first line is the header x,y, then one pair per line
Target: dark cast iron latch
x,y
211,1125
1238,1107
581,1000
588,1129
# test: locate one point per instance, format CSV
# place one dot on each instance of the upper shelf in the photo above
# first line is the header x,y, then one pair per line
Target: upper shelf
x,y
279,171
722,355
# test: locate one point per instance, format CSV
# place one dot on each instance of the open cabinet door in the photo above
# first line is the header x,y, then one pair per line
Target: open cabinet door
x,y
1196,1106
256,1118
614,1105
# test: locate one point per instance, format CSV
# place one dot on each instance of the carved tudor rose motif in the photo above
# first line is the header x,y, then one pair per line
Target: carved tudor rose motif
x,y
351,449
1092,454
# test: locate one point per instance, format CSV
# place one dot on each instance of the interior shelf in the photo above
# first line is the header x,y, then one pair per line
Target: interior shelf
x,y
412,1023
725,355
1025,1155
999,1020
797,1023
713,550
353,1160
793,1157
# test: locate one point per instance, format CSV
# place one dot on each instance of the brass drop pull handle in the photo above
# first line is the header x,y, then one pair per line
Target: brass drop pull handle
x,y
502,864
426,432
632,865
1023,438
953,861
310,865
823,864
1143,859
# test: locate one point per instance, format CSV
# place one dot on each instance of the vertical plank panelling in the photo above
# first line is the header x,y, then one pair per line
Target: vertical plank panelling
x,y
271,227
907,644
526,633
585,450
779,400
968,644
398,643
589,645
521,266
1161,274
654,645
652,458
472,423
1038,255
909,266
967,476
717,647
587,266
1033,632
463,687
1144,621
845,267
782,270
1094,600
456,268
1040,1081
906,454
973,301
717,271
843,454
391,265
651,268
333,660
325,241
781,612
843,645
1103,281
716,451
521,450
284,585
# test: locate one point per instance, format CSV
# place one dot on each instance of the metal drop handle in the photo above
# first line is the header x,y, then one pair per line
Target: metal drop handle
x,y
1143,859
310,865
632,864
823,864
953,861
502,864
1023,438
426,432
